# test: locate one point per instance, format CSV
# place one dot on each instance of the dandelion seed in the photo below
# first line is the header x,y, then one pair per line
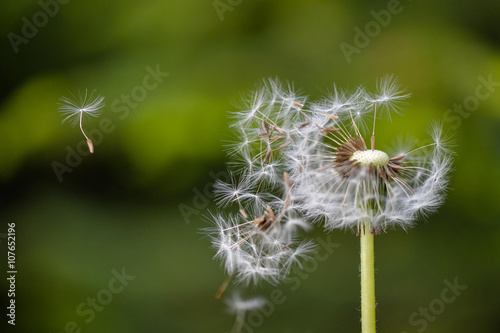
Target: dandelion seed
x,y
390,95
74,110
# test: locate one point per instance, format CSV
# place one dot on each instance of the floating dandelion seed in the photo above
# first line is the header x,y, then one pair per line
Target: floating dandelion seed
x,y
74,110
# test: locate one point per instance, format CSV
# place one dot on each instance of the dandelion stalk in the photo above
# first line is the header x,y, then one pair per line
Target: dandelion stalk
x,y
367,281
333,173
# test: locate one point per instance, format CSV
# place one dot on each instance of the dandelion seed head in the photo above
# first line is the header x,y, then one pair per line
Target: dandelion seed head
x,y
297,162
343,182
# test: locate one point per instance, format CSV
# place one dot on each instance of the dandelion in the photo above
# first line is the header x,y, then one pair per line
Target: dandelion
x,y
74,110
348,185
333,174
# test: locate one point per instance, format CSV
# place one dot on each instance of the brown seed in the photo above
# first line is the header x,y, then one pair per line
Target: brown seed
x,y
303,125
268,156
381,173
270,212
396,167
259,220
344,153
261,131
286,176
91,146
279,130
285,145
266,125
332,116
390,172
243,213
398,158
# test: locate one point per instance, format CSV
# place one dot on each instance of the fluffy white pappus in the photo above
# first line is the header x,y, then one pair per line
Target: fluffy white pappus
x,y
339,101
288,99
253,272
444,142
222,242
241,145
226,193
258,249
296,224
75,109
301,253
353,107
271,103
402,144
406,187
390,95
330,200
271,118
269,173
251,107
258,156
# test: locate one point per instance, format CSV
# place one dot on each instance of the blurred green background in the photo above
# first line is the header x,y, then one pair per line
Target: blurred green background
x,y
138,202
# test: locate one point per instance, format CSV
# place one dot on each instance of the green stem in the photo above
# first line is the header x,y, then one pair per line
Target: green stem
x,y
367,281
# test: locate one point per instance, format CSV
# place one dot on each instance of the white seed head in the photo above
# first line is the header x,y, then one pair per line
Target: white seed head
x,y
373,157
330,176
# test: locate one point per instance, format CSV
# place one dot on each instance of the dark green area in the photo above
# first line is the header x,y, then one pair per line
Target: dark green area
x,y
122,206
